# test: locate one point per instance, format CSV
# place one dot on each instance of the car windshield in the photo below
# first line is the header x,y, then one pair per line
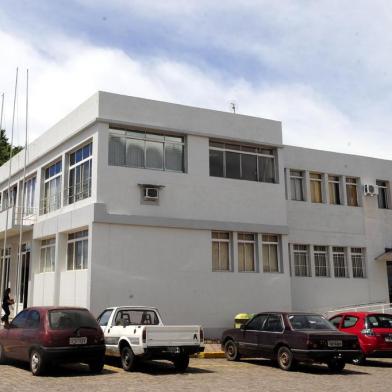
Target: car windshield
x,y
71,319
379,321
301,322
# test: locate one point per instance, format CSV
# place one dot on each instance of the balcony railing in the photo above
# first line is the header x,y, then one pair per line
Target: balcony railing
x,y
17,216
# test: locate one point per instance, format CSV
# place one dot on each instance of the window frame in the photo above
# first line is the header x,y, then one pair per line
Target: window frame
x,y
267,242
334,191
307,265
314,180
84,240
352,182
47,245
294,178
384,186
336,267
227,241
317,268
50,207
355,254
244,242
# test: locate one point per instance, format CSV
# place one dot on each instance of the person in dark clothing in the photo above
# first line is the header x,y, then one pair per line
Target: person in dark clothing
x,y
7,301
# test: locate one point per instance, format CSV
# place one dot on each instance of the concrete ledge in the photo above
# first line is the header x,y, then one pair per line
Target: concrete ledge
x,y
211,355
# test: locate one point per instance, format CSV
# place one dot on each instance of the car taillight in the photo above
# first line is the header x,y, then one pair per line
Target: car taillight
x,y
144,335
201,335
368,332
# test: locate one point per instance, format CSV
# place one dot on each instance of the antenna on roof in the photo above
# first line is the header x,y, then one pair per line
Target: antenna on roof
x,y
233,106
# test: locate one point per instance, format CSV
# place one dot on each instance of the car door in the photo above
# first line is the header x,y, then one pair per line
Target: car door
x,y
272,331
104,318
15,344
248,342
30,333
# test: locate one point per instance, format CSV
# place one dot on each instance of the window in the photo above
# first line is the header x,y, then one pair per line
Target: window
x,y
246,252
79,178
47,259
301,322
334,189
316,193
5,265
379,321
146,150
274,323
10,201
77,252
103,319
339,262
297,185
20,320
270,253
349,321
321,263
33,320
220,251
383,194
357,261
335,321
136,317
66,319
52,188
301,260
29,195
352,191
242,162
257,322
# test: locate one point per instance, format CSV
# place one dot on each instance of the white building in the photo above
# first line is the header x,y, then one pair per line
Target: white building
x,y
202,213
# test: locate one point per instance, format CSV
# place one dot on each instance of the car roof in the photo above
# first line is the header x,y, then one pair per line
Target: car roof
x,y
285,313
359,314
48,308
132,307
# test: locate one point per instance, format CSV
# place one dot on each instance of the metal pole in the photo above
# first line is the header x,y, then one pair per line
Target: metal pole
x,y
19,265
9,182
2,263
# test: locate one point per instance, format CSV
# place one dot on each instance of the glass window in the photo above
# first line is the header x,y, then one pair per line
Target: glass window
x,y
33,320
352,191
273,323
379,321
335,321
242,162
383,194
29,195
339,262
64,319
77,250
48,251
246,252
301,260
220,251
103,319
316,187
20,320
5,265
270,244
321,263
297,185
334,189
146,150
349,321
301,322
357,261
257,322
136,317
52,188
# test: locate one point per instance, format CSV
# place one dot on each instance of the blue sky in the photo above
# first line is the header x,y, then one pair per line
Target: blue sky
x,y
323,68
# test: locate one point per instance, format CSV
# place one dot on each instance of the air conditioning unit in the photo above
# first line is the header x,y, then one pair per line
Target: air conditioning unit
x,y
370,190
151,193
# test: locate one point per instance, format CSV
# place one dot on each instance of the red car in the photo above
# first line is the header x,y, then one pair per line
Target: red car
x,y
374,331
45,336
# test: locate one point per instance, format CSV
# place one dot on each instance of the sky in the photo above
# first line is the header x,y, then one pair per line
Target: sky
x,y
322,68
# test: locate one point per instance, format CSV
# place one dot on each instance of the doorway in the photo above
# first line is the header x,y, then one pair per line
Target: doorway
x,y
24,276
389,274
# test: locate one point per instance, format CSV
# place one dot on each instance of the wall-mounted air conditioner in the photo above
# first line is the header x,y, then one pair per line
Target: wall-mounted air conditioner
x,y
151,193
370,190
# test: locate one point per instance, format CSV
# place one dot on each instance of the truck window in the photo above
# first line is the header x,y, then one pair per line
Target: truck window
x,y
136,317
104,317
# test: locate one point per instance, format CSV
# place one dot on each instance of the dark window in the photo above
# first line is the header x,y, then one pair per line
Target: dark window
x,y
33,320
136,317
383,194
266,169
336,321
257,322
233,165
309,321
349,321
379,321
274,323
63,319
103,319
249,167
216,163
20,320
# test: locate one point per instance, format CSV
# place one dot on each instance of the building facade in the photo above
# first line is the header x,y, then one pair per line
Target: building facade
x,y
202,213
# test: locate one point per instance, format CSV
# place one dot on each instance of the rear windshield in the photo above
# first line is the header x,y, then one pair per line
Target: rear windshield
x,y
71,319
379,321
136,317
305,322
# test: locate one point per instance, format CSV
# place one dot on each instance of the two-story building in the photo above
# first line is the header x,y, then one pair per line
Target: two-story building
x,y
202,213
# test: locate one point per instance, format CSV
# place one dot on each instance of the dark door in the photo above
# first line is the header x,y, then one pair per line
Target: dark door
x,y
24,279
30,333
249,341
271,333
389,274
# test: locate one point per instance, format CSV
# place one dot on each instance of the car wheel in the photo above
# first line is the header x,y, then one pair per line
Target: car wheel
x,y
336,365
231,351
96,366
359,360
285,358
181,362
2,355
37,364
128,359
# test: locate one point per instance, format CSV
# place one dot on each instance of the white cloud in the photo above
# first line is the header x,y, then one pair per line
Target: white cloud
x,y
69,71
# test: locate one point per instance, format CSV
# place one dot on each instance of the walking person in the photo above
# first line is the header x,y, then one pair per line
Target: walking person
x,y
7,302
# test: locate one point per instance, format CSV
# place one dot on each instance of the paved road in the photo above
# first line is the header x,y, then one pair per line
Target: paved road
x,y
203,375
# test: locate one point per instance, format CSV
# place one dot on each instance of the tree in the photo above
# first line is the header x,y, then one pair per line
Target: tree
x,y
5,148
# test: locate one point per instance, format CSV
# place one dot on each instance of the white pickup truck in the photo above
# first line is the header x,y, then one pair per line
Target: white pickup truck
x,y
137,332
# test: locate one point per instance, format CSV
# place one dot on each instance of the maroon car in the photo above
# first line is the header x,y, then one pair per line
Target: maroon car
x,y
45,336
289,338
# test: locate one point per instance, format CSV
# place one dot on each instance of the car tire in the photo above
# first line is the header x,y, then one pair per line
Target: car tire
x,y
181,362
128,359
37,363
285,358
359,360
96,366
231,351
3,358
336,365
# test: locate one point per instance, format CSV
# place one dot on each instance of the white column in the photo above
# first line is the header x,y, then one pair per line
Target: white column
x,y
324,188
330,261
348,263
306,184
343,193
234,256
311,261
288,184
259,253
60,264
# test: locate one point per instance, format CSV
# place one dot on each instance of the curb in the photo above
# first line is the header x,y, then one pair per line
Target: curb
x,y
211,355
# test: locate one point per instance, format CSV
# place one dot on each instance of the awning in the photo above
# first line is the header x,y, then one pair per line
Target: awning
x,y
386,256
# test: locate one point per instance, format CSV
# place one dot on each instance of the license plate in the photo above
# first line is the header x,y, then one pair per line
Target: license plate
x,y
174,350
388,339
77,341
335,343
